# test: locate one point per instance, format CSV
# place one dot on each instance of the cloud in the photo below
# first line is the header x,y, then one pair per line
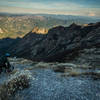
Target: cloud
x,y
92,14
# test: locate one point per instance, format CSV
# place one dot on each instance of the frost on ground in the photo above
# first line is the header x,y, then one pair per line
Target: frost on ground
x,y
50,81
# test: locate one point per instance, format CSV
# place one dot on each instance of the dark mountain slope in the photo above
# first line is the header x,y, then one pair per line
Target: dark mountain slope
x,y
7,43
60,44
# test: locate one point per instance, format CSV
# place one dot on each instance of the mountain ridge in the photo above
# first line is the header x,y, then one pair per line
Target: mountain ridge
x,y
60,44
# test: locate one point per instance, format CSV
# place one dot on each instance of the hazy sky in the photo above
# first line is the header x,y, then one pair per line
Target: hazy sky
x,y
69,7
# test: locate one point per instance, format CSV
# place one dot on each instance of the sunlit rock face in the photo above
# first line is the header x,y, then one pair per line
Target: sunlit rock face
x,y
1,31
40,30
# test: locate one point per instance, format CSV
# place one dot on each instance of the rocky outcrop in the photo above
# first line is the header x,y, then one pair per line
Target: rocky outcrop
x,y
60,44
1,31
40,30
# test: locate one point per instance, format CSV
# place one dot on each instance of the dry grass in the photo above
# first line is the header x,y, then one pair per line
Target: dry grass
x,y
13,72
93,75
74,73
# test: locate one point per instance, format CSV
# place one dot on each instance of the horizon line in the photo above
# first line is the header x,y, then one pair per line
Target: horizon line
x,y
12,13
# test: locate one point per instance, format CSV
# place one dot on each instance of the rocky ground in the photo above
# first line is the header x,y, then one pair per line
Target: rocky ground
x,y
50,81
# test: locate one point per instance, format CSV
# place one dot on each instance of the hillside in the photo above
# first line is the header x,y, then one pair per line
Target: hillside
x,y
74,43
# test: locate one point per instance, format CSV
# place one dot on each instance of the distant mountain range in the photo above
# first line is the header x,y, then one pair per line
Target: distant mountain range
x,y
18,25
77,19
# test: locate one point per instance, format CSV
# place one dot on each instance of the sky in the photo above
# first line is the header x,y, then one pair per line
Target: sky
x,y
66,7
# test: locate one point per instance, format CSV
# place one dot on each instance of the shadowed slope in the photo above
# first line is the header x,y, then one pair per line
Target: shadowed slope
x,y
60,44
